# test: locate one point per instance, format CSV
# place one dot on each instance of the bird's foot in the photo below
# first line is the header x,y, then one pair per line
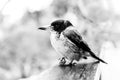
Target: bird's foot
x,y
62,61
71,64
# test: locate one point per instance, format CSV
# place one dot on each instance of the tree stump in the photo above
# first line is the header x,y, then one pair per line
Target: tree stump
x,y
86,71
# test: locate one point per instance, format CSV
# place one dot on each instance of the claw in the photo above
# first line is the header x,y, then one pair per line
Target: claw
x,y
85,57
71,64
62,61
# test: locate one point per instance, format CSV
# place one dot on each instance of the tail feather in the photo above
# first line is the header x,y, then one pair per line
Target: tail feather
x,y
94,56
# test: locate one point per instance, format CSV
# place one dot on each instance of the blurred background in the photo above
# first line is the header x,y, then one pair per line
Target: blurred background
x,y
27,51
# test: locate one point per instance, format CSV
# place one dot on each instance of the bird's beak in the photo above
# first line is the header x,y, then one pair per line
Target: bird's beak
x,y
44,28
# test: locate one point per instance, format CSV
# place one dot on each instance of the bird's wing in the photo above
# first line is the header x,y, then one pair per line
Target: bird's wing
x,y
75,37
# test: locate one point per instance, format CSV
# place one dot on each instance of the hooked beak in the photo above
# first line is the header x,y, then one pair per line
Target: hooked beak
x,y
44,28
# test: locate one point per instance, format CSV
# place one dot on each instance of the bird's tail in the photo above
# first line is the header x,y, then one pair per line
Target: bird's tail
x,y
94,56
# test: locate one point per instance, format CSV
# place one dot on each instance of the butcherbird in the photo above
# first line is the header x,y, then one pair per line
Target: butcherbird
x,y
67,41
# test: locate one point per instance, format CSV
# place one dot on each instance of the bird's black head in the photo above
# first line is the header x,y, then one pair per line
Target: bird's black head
x,y
60,25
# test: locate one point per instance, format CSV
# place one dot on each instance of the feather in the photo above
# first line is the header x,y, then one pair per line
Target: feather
x,y
75,37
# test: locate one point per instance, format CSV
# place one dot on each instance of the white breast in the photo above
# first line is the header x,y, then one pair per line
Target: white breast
x,y
64,47
58,43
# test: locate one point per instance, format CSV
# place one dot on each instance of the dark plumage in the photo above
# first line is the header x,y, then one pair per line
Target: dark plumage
x,y
60,25
76,38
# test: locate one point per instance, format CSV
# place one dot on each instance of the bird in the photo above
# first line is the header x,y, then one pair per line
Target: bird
x,y
68,42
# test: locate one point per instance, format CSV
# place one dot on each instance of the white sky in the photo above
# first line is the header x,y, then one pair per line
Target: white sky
x,y
15,9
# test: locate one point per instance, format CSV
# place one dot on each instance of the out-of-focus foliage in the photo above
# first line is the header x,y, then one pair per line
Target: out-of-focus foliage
x,y
25,51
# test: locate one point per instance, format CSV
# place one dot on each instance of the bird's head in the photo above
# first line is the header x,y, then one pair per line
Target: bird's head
x,y
57,26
